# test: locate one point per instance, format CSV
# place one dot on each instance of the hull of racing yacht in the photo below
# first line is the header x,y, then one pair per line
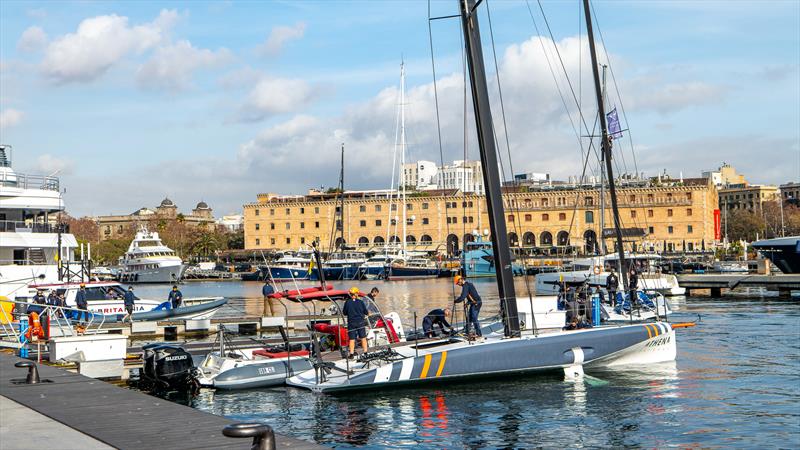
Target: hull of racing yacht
x,y
498,357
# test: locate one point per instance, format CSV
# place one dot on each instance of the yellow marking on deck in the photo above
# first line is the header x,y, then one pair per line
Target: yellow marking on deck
x,y
441,363
425,367
649,333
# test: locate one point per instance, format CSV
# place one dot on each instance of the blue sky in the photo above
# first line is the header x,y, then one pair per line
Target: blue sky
x,y
217,101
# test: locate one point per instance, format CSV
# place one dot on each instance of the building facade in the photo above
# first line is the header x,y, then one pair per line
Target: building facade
x,y
114,227
672,218
790,193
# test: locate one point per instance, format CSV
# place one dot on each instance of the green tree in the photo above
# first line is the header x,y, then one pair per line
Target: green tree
x,y
206,244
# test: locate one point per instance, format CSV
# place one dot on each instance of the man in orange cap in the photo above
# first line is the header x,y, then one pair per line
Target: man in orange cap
x,y
356,312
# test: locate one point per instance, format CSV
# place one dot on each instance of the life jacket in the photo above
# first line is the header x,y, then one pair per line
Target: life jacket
x,y
35,329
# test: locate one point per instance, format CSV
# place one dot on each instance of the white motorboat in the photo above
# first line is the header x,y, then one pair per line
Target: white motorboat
x,y
106,298
30,243
595,270
148,260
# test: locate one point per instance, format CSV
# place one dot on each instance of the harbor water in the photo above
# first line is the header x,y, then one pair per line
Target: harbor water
x,y
734,384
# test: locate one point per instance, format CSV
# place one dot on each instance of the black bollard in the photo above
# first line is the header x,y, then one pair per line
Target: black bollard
x,y
263,436
33,371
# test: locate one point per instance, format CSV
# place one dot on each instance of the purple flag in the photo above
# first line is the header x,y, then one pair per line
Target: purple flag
x,y
614,129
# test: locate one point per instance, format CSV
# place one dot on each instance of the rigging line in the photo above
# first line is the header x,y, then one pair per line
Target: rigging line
x,y
513,204
575,129
616,89
439,136
499,90
579,191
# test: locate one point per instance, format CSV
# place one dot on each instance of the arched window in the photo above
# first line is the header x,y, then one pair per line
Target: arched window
x,y
562,239
452,244
513,240
546,238
378,240
411,239
528,239
363,241
339,242
394,240
469,237
425,239
590,242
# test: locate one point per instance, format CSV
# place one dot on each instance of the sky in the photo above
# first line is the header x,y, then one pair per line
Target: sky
x,y
131,102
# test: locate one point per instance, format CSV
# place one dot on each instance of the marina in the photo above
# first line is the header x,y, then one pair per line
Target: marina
x,y
564,256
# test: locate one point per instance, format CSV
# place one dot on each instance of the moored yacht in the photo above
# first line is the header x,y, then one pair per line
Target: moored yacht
x,y
595,270
30,243
148,260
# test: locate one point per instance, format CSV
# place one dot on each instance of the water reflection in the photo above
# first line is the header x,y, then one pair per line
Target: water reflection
x,y
734,384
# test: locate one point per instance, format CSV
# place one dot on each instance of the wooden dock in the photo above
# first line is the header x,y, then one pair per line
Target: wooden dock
x,y
118,417
783,283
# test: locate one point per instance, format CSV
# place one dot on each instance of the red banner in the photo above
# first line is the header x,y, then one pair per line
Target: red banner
x,y
717,225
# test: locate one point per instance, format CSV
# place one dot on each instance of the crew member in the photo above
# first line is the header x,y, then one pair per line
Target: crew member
x,y
39,300
633,284
266,291
175,297
612,284
82,304
129,301
470,295
436,317
373,294
356,312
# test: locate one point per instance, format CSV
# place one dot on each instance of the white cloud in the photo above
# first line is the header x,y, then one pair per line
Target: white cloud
x,y
171,66
49,164
33,39
279,36
99,43
10,117
272,96
672,97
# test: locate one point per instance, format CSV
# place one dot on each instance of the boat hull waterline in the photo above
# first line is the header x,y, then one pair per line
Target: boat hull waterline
x,y
598,347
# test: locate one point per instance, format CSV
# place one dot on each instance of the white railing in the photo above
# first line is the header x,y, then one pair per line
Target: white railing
x,y
61,320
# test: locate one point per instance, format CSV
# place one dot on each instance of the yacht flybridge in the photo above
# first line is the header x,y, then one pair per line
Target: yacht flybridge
x,y
148,260
30,242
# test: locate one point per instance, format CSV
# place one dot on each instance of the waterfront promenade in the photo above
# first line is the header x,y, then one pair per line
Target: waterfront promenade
x,y
81,412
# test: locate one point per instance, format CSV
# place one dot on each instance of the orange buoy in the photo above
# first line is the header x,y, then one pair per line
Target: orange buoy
x,y
683,325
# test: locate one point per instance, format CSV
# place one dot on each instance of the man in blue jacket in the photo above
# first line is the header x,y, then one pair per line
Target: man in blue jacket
x,y
470,295
129,301
175,297
82,304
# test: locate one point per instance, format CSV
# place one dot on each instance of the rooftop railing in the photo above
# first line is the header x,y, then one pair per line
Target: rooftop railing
x,y
23,181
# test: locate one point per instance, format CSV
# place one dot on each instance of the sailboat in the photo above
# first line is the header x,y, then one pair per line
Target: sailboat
x,y
531,339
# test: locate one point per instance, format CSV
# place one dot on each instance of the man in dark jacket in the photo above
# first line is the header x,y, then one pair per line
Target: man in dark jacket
x,y
612,285
436,317
129,301
470,295
175,297
82,304
633,284
38,302
356,312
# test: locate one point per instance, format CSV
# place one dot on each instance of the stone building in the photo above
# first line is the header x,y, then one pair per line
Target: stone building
x,y
112,227
673,218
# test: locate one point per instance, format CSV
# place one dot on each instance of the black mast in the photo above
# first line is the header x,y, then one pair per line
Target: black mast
x,y
491,173
341,201
605,145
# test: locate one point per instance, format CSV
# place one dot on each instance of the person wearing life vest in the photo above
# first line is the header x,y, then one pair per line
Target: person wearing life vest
x,y
175,297
470,295
356,312
82,304
129,301
612,285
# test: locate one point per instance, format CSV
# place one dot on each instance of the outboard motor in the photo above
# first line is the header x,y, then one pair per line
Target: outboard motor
x,y
169,367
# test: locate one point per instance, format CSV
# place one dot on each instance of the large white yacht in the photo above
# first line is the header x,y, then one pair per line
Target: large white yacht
x,y
596,269
148,260
29,241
